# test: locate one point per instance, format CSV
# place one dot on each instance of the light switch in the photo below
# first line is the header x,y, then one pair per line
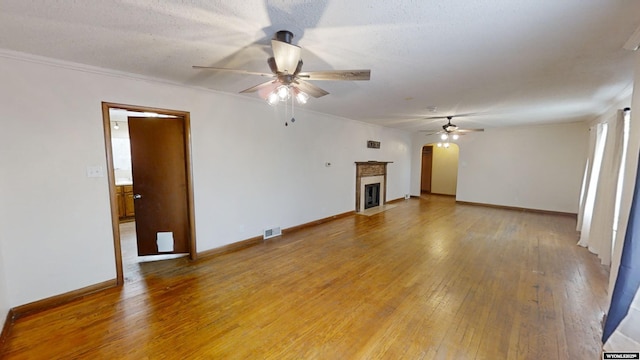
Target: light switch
x,y
95,171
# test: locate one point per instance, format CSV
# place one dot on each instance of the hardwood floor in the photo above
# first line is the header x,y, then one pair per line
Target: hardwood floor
x,y
428,279
131,262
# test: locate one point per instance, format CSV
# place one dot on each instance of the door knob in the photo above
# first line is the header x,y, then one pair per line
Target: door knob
x,y
137,196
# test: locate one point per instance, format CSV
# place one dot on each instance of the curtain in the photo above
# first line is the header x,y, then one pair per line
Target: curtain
x,y
600,234
625,196
622,147
623,318
592,184
586,176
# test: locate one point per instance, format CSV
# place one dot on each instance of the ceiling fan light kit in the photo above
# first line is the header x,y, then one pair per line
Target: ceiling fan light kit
x,y
284,93
446,136
302,97
273,99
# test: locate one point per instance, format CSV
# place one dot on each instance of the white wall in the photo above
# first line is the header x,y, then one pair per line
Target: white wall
x,y
4,192
250,172
4,299
534,167
444,176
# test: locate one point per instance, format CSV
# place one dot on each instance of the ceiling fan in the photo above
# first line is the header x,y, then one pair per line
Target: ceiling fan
x,y
449,128
288,78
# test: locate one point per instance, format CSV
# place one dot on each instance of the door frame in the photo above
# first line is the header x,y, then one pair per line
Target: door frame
x,y
422,174
115,222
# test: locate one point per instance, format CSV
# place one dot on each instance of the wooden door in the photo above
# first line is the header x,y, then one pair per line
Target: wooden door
x,y
427,162
158,165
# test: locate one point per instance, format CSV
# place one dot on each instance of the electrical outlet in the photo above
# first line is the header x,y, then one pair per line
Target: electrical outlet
x,y
95,171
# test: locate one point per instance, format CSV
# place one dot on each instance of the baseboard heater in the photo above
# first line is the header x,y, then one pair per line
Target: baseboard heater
x,y
273,232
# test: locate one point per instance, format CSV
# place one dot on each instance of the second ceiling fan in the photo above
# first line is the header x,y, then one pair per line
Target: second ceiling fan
x,y
449,128
288,79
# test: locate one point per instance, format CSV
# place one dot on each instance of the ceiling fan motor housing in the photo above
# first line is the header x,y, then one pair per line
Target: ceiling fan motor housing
x,y
284,36
450,127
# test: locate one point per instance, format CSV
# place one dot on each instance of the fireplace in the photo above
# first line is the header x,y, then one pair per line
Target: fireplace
x,y
371,195
371,179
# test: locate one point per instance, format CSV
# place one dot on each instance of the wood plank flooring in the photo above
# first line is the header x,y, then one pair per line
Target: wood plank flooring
x,y
428,279
132,263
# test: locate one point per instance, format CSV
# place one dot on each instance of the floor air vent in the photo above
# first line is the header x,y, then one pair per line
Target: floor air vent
x,y
269,233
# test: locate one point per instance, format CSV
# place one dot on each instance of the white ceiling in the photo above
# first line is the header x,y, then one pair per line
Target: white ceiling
x,y
511,62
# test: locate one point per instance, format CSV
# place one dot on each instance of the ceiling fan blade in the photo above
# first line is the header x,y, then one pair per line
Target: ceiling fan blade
x,y
237,71
286,56
459,131
258,87
451,116
434,117
336,75
298,68
431,132
310,89
272,65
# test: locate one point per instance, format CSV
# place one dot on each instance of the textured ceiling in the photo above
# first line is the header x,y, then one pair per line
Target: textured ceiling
x,y
509,62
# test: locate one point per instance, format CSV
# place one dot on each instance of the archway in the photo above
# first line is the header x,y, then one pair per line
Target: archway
x,y
439,169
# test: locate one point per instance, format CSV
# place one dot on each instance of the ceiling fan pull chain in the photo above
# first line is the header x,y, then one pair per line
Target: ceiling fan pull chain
x,y
286,113
293,119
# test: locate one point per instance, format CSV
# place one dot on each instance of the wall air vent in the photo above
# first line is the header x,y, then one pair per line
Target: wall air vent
x,y
273,232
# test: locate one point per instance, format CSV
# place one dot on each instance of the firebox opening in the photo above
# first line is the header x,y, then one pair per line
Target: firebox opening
x,y
371,195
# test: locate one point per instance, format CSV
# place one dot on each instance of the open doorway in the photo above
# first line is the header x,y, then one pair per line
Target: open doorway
x,y
427,167
152,198
439,169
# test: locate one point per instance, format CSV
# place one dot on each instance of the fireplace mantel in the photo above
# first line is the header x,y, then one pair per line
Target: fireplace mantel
x,y
370,169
